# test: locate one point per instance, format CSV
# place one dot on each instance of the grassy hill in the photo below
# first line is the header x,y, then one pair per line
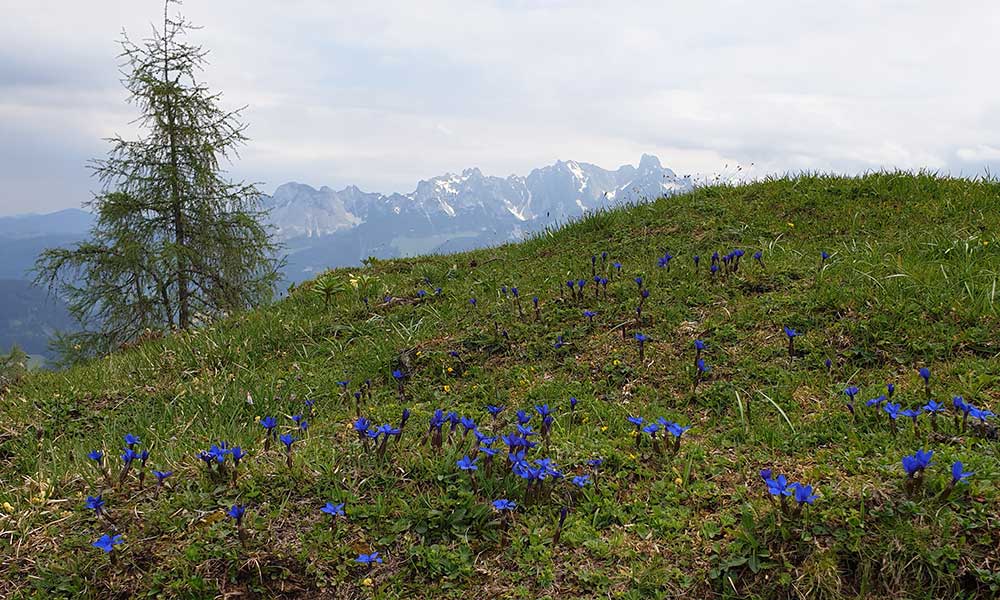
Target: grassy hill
x,y
910,282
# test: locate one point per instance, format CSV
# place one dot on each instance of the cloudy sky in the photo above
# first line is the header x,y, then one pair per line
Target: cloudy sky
x,y
382,94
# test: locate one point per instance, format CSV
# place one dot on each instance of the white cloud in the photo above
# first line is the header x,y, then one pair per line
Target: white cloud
x,y
382,94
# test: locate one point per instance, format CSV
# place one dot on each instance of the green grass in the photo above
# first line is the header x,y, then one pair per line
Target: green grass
x,y
911,282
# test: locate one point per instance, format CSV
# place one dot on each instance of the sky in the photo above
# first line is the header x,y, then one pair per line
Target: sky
x,y
383,94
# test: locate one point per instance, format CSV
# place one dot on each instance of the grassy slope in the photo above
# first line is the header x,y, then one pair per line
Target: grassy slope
x,y
911,283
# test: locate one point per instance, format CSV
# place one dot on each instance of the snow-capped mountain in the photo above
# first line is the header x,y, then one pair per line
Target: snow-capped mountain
x,y
453,202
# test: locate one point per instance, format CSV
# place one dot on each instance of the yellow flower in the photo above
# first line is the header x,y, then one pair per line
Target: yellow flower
x,y
616,362
631,456
8,508
604,428
447,388
450,370
790,224
679,481
419,352
368,582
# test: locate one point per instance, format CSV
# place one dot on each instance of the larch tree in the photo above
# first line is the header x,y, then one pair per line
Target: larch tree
x,y
175,243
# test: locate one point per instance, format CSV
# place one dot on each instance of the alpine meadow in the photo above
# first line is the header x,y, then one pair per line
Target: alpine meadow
x,y
776,379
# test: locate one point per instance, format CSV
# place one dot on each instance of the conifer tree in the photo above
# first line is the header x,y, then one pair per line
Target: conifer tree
x,y
175,243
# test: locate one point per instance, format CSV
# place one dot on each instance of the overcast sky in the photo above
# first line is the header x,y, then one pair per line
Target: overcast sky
x,y
382,94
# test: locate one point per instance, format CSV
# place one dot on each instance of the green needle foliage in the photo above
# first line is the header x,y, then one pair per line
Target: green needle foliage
x,y
175,243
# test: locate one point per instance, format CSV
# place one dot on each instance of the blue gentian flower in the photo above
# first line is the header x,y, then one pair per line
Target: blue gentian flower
x,y
638,282
494,410
790,332
96,456
700,363
925,374
96,503
637,421
523,417
503,504
467,464
699,345
876,402
572,403
369,559
559,342
236,512
804,494
269,423
107,542
892,409
851,392
590,315
472,301
131,440
890,389
398,375
765,474
581,481
237,454
778,486
677,430
334,510
128,456
287,439
933,407
957,474
161,476
543,410
823,255
917,462
595,462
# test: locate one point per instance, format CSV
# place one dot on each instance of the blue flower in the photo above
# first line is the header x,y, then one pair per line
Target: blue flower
x,y
892,409
421,293
523,417
980,413
876,402
917,462
765,474
570,284
344,383
638,282
890,388
162,475
334,510
790,332
804,493
131,440
823,255
700,363
925,374
369,559
957,474
543,410
398,375
95,455
128,456
503,504
851,392
489,452
467,464
651,428
677,430
472,301
268,423
572,403
361,424
911,413
933,407
959,403
514,292
287,440
581,481
637,421
96,503
778,486
697,259
595,462
641,338
107,542
699,345
237,454
494,409
559,342
590,315
236,512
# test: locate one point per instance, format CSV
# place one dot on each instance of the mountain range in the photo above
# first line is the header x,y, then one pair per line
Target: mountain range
x,y
325,228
